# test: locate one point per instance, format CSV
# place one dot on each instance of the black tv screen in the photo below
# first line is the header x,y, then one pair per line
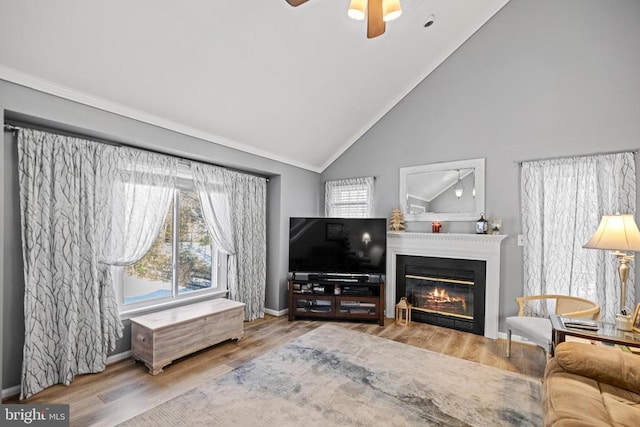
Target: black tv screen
x,y
338,245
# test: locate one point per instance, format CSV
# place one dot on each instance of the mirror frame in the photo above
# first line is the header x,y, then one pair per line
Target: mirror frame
x,y
479,171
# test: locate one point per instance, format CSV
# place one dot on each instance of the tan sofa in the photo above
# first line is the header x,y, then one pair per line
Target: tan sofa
x,y
591,385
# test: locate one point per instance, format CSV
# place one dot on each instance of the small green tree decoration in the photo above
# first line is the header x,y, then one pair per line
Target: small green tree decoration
x,y
397,220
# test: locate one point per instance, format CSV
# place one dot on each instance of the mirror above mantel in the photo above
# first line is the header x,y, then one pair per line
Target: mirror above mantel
x,y
447,191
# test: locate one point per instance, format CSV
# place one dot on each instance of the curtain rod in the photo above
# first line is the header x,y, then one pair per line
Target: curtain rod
x,y
600,153
10,128
16,125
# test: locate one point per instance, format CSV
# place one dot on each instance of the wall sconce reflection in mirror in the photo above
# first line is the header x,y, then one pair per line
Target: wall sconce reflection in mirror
x,y
459,187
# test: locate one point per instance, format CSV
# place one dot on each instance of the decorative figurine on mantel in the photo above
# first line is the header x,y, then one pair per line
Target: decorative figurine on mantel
x,y
482,225
397,220
495,225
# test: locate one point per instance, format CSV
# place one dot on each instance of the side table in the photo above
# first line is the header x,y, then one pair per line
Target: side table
x,y
606,332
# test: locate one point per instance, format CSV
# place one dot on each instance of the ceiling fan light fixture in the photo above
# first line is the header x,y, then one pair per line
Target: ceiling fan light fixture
x,y
391,10
357,9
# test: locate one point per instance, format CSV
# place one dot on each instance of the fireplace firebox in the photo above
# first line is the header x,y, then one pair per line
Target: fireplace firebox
x,y
443,291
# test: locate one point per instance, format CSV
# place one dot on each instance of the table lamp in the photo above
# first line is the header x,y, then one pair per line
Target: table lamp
x,y
620,234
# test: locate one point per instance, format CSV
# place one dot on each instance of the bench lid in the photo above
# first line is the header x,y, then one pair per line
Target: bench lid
x,y
185,313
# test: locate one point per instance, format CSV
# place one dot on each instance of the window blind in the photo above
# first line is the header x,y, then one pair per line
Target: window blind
x,y
349,198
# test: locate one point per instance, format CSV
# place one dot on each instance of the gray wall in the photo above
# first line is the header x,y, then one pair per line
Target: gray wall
x,y
291,192
12,320
541,79
2,239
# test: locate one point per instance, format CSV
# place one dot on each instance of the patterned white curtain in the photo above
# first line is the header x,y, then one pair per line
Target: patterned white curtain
x,y
137,190
71,312
234,209
85,206
562,202
350,198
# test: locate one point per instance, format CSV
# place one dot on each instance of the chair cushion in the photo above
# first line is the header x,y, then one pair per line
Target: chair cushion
x,y
536,329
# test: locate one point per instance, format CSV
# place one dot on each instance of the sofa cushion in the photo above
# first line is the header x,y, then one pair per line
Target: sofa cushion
x,y
572,400
603,364
622,405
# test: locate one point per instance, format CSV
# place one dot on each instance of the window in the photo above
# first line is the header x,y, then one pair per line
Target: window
x,y
182,262
195,250
349,198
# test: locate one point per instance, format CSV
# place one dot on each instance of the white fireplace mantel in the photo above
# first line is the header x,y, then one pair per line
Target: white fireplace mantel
x,y
483,247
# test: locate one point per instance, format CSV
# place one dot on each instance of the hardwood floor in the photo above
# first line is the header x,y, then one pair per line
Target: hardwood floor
x,y
126,389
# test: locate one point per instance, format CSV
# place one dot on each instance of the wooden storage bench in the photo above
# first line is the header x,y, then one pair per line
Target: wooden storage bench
x,y
159,338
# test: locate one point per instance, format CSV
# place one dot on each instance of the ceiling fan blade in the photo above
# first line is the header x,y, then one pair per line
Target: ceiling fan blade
x,y
296,2
375,23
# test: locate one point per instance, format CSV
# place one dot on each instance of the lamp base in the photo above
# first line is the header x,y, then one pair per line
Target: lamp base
x,y
623,322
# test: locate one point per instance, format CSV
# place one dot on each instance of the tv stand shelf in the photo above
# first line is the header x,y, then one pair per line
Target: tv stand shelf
x,y
339,300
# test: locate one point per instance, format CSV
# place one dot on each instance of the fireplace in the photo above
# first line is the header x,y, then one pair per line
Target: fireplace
x,y
479,247
443,291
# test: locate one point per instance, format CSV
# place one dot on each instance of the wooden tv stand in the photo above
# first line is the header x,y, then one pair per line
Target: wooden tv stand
x,y
334,300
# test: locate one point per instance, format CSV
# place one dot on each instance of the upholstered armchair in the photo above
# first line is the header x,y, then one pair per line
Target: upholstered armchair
x,y
537,328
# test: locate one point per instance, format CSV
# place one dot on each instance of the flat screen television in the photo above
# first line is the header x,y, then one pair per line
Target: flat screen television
x,y
338,245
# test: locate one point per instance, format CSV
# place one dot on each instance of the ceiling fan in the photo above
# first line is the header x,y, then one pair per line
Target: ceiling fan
x,y
378,12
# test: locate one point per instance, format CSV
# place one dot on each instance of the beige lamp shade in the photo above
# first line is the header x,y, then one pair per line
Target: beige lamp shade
x,y
357,9
391,10
617,233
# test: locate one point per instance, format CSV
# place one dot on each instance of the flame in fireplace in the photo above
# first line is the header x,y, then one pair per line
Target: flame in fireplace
x,y
441,296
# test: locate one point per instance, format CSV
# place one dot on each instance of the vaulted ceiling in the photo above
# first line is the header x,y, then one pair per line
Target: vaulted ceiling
x,y
298,85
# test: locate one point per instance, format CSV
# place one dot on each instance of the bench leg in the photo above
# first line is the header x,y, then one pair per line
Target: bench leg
x,y
155,369
509,343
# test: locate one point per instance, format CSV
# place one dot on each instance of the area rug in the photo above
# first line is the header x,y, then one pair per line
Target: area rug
x,y
335,376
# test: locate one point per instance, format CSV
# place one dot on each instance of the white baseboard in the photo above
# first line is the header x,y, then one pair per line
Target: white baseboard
x,y
515,337
15,390
10,392
276,313
118,357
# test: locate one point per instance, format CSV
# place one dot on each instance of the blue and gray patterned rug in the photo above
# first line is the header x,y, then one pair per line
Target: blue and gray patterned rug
x,y
335,376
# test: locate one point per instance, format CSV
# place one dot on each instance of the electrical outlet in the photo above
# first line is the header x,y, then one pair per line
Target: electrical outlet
x,y
520,239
